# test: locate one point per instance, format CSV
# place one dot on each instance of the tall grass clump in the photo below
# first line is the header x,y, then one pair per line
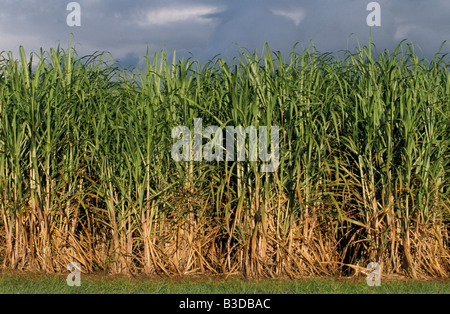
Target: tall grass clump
x,y
86,172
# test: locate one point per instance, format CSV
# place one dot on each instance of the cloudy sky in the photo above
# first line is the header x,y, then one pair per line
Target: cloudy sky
x,y
206,28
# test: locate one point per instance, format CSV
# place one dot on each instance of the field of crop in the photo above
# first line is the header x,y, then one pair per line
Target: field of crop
x,y
87,175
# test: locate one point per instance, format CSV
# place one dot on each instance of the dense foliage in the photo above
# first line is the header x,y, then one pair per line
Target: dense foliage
x,y
86,173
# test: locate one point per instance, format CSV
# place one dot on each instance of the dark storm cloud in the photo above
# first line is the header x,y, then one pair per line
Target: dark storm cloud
x,y
209,27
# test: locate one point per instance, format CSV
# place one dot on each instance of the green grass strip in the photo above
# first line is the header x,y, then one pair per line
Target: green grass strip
x,y
11,284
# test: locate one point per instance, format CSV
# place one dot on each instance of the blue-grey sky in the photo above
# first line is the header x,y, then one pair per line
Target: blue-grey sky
x,y
206,28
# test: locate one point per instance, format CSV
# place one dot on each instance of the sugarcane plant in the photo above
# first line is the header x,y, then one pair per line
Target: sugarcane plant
x,y
87,172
